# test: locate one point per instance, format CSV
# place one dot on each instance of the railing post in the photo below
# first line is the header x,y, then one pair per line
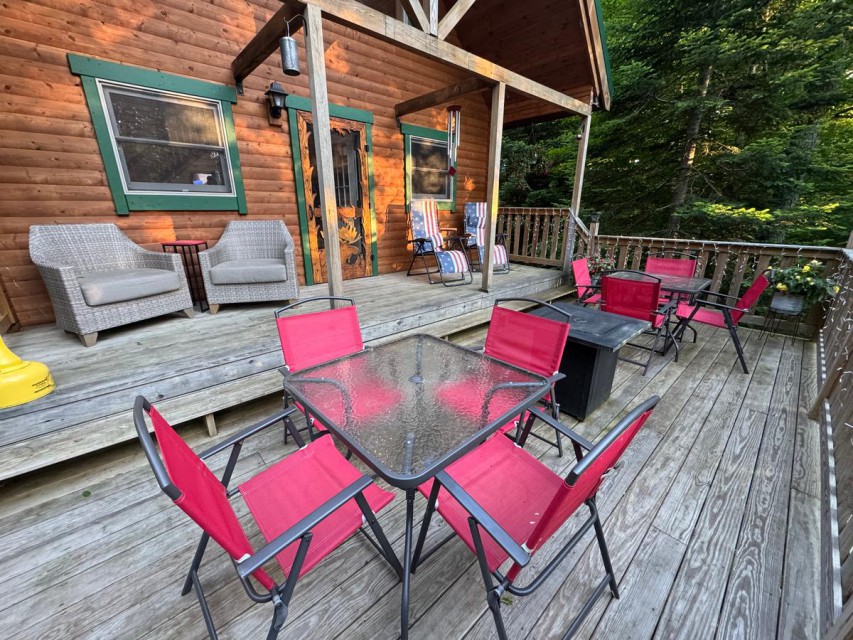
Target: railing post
x,y
569,241
592,248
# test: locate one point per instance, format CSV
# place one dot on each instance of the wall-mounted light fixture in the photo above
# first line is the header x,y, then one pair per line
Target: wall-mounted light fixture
x,y
289,50
275,96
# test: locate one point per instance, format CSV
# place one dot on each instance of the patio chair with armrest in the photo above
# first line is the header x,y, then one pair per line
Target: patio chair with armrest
x,y
720,314
309,339
505,505
305,506
427,240
639,297
587,293
476,216
683,265
530,342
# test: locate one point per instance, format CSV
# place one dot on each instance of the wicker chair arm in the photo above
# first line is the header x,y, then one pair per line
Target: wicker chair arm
x,y
158,260
213,256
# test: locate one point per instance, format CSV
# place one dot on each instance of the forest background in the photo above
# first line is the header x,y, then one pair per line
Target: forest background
x,y
731,120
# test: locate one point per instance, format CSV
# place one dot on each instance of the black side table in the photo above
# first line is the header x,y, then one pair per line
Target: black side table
x,y
784,306
189,250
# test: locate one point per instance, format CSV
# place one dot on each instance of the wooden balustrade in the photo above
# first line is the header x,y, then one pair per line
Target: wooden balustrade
x,y
538,235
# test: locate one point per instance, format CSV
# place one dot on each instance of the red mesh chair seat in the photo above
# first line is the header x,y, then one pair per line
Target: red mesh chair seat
x,y
309,339
508,483
671,266
283,494
711,317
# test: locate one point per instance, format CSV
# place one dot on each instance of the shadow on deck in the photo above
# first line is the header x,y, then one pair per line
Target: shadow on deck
x,y
712,521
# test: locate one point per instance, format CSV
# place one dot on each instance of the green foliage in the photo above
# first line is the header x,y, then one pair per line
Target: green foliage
x,y
805,280
774,151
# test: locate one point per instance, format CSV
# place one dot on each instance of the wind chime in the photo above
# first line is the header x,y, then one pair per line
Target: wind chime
x,y
454,121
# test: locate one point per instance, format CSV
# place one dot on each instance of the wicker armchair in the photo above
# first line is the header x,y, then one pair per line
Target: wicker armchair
x,y
252,262
98,278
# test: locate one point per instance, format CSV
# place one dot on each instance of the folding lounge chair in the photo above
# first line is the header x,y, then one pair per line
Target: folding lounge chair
x,y
639,297
718,314
310,339
505,505
305,506
427,240
475,227
587,292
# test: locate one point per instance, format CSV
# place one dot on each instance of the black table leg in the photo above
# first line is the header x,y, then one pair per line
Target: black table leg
x,y
407,564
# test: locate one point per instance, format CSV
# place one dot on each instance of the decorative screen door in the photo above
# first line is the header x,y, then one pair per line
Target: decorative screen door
x,y
352,197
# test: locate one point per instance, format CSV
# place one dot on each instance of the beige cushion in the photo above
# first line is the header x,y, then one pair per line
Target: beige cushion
x,y
249,271
121,285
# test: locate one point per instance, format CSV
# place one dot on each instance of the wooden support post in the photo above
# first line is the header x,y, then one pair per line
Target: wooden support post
x,y
210,423
580,167
496,130
433,17
323,145
592,247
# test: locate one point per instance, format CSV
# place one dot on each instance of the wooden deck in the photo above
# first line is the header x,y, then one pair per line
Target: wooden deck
x,y
712,521
201,366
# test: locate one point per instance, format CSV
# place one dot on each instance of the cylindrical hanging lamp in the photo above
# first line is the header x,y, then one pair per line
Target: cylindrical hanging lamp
x,y
289,51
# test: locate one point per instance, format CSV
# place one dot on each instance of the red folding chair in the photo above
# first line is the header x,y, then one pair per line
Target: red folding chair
x,y
530,342
718,314
587,292
671,266
305,506
639,297
310,339
505,505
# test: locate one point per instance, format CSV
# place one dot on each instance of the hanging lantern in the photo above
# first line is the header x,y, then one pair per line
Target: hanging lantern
x,y
454,122
289,51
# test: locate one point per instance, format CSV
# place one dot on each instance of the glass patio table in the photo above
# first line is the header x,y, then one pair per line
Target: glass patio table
x,y
412,407
670,283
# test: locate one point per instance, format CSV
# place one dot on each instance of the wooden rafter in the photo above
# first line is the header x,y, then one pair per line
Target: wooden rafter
x,y
362,18
265,42
416,13
440,96
452,17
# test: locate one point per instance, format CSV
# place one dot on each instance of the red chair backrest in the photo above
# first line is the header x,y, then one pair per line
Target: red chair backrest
x,y
580,269
527,341
312,338
671,266
750,296
628,297
569,497
202,494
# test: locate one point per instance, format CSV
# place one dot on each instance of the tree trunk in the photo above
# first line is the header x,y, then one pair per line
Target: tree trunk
x,y
800,152
694,122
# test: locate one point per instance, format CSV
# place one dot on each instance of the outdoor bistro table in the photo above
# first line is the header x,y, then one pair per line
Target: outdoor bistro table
x,y
427,403
671,284
589,359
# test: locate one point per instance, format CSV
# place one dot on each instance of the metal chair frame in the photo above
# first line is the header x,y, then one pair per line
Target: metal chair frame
x,y
419,250
473,243
495,582
664,329
279,595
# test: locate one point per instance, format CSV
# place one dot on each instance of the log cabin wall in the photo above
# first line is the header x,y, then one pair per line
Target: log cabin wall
x,y
52,169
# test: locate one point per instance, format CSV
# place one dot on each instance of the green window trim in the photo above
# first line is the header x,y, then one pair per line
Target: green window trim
x,y
409,130
91,70
298,103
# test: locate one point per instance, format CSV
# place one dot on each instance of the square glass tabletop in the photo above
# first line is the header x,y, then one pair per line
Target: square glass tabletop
x,y
670,283
411,407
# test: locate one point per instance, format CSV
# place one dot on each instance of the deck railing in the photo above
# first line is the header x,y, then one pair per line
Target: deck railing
x,y
538,236
834,404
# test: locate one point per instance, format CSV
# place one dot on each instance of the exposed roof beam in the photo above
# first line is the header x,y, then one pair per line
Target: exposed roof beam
x,y
440,96
452,17
416,13
358,16
265,42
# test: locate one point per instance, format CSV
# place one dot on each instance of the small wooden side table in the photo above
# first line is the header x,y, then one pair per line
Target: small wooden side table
x,y
189,250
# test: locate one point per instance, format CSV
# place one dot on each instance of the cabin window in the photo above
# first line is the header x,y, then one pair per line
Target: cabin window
x,y
428,167
167,142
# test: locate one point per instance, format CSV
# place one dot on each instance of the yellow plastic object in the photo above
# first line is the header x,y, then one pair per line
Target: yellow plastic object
x,y
20,381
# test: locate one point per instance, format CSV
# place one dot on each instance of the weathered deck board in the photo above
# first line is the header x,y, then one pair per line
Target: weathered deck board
x,y
708,480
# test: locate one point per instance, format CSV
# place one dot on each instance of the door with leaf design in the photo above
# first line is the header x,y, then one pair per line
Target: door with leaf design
x,y
352,197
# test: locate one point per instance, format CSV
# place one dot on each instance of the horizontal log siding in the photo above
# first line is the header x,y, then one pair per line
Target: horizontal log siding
x,y
51,170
